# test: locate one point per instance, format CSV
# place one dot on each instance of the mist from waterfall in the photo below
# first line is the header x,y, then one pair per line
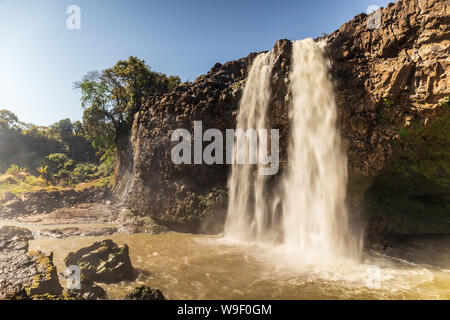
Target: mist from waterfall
x,y
311,222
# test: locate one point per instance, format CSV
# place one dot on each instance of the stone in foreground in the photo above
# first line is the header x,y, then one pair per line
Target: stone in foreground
x,y
25,274
145,293
9,232
103,261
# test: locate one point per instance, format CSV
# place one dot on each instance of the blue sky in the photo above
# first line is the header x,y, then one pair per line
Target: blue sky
x,y
40,58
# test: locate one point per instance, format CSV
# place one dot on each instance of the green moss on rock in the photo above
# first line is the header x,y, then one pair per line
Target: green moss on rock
x,y
411,195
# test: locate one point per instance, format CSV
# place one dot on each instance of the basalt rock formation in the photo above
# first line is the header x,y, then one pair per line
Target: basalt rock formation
x,y
392,84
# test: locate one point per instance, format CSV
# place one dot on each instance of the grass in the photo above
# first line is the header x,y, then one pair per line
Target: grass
x,y
22,182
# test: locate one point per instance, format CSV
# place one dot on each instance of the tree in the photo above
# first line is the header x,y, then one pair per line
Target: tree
x,y
111,97
8,119
63,128
78,128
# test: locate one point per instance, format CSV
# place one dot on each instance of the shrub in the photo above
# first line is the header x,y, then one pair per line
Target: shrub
x,y
108,164
14,170
83,172
55,163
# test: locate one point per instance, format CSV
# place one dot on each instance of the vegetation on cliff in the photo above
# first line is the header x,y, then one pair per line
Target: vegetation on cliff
x,y
58,156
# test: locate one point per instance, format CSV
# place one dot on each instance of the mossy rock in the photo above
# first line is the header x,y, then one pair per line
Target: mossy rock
x,y
145,293
103,261
46,281
411,195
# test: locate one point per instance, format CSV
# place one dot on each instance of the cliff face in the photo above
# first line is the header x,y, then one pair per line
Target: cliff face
x,y
182,196
391,83
392,86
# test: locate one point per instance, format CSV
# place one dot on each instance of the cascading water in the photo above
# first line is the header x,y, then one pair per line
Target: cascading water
x,y
247,210
314,221
315,218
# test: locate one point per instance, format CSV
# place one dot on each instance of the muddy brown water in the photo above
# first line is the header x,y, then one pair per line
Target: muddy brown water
x,y
187,266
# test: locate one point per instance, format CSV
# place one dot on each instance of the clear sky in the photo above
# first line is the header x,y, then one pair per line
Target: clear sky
x,y
40,58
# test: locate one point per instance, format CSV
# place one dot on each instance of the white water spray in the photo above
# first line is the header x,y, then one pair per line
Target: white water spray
x,y
314,224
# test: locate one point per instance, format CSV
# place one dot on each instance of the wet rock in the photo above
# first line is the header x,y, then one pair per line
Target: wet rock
x,y
76,232
87,291
9,232
81,213
25,274
103,261
131,224
46,281
145,293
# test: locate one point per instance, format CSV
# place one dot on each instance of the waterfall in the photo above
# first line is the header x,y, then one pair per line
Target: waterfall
x,y
247,212
315,217
314,222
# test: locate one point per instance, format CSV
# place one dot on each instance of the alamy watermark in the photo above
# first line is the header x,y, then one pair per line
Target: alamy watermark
x,y
248,146
73,22
374,20
73,274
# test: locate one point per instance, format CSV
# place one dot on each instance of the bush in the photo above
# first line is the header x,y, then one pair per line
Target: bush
x,y
55,163
108,164
35,181
83,172
14,170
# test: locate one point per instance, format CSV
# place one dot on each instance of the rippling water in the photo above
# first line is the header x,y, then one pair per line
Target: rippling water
x,y
186,266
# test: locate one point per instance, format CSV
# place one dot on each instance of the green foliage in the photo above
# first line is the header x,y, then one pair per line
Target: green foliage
x,y
43,171
107,163
383,110
412,193
14,170
388,102
63,128
83,172
55,163
111,97
445,103
8,119
406,134
27,145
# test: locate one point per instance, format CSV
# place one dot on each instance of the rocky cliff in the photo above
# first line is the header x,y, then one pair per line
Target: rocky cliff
x,y
392,86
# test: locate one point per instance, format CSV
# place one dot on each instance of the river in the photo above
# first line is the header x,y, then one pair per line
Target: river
x,y
187,266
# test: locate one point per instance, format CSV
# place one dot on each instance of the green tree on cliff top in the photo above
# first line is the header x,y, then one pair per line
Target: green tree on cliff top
x,y
111,98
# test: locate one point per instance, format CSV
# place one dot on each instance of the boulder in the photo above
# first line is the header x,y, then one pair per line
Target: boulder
x,y
46,281
145,293
9,232
7,196
11,207
88,291
26,274
103,261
